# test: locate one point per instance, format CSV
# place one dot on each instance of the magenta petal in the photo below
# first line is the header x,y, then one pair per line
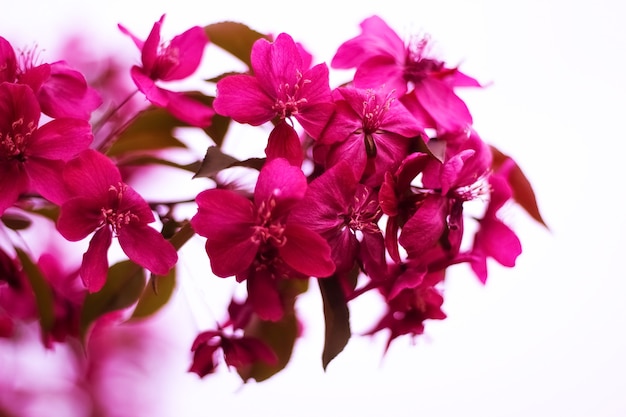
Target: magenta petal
x,y
8,61
187,109
18,103
11,190
138,42
188,48
67,94
282,181
285,143
45,178
79,217
376,38
222,213
264,296
91,174
227,220
411,278
276,63
148,248
95,264
423,230
146,85
499,241
443,105
242,98
306,252
150,49
61,139
381,72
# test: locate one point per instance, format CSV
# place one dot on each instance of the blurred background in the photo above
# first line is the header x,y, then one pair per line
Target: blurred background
x,y
546,338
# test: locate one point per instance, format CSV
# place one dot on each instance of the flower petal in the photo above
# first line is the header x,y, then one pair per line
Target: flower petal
x,y
148,248
11,190
242,98
282,181
61,139
91,174
93,270
188,48
306,252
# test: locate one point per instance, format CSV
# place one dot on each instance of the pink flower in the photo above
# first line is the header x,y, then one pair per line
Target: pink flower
x,y
238,351
494,239
101,202
346,214
381,58
411,304
371,130
174,61
257,240
60,90
33,156
282,86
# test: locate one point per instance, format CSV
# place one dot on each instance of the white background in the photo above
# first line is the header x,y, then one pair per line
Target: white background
x,y
546,338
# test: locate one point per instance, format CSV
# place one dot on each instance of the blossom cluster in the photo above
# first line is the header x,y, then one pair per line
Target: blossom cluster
x,y
361,188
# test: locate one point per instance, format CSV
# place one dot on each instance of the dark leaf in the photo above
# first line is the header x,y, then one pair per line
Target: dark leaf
x,y
151,130
181,237
15,221
155,295
124,285
214,161
151,160
523,192
434,147
337,318
235,38
44,296
280,336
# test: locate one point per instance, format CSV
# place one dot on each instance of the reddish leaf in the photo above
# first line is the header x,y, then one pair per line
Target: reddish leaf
x,y
336,317
15,221
523,192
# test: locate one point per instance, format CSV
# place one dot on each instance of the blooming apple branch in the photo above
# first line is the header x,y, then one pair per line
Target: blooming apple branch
x,y
360,188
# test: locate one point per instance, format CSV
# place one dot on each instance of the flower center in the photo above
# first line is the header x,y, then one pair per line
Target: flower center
x,y
373,112
268,230
113,216
167,58
287,103
13,143
364,212
416,66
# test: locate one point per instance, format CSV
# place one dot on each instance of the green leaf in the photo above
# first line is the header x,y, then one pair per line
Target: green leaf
x,y
280,336
124,285
155,295
151,130
235,38
523,192
336,317
44,296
